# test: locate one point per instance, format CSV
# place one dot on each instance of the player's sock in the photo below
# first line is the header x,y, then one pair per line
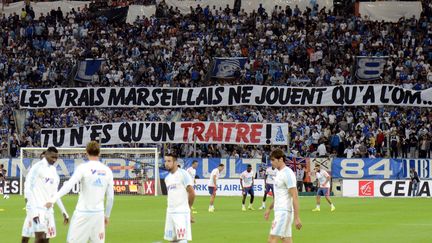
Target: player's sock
x,y
318,206
182,241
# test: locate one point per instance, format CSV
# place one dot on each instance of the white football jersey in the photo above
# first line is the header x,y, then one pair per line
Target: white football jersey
x,y
40,185
285,179
215,172
192,172
270,174
176,184
322,177
96,180
247,178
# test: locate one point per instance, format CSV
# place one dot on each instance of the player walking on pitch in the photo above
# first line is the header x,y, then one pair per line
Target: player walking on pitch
x,y
192,172
96,180
324,188
247,182
212,185
270,174
285,201
181,196
40,185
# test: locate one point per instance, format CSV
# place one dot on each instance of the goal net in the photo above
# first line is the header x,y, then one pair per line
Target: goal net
x,y
135,170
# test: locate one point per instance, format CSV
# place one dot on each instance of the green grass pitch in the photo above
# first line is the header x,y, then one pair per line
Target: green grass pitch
x,y
141,219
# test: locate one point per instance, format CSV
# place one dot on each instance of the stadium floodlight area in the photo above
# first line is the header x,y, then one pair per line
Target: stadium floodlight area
x,y
135,170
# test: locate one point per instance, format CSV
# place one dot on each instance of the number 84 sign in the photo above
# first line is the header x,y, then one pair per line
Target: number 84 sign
x,y
367,168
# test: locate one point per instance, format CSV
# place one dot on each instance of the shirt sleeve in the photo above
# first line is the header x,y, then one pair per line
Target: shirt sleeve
x,y
67,186
325,174
187,179
291,179
62,208
110,196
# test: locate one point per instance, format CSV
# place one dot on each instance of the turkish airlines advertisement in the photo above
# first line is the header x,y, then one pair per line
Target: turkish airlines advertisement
x,y
227,187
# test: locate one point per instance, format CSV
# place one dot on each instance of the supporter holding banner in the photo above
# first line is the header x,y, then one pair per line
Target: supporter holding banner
x,y
174,132
216,96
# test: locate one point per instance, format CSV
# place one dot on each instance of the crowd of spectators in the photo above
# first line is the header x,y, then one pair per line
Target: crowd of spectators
x,y
176,50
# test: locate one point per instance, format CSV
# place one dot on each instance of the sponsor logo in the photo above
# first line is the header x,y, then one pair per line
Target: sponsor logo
x,y
172,187
51,231
98,172
366,188
97,182
181,233
404,189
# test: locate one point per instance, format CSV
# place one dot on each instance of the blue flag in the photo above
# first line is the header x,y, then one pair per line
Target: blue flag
x,y
87,68
226,67
370,68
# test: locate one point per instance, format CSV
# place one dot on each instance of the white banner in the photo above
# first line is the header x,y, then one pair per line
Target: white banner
x,y
45,7
248,5
390,11
173,132
228,187
216,96
384,188
141,11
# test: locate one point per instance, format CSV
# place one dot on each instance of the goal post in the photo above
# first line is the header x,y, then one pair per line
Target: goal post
x,y
135,170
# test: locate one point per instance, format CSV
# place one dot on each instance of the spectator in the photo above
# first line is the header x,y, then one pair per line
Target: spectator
x,y
322,151
172,49
300,174
415,181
